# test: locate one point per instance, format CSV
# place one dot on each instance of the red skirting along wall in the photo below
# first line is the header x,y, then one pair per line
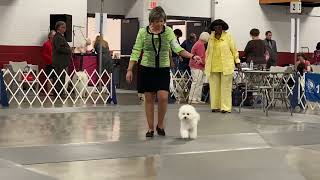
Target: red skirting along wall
x,y
285,58
32,54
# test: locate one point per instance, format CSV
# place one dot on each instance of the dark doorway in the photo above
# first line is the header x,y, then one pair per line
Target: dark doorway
x,y
196,27
129,31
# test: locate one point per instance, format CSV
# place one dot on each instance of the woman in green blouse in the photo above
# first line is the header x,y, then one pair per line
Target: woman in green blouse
x,y
155,41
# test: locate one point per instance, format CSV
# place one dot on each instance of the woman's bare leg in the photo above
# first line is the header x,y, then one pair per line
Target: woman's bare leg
x,y
149,108
162,107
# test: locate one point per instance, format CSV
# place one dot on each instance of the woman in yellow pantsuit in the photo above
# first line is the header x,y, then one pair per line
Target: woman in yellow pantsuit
x,y
221,58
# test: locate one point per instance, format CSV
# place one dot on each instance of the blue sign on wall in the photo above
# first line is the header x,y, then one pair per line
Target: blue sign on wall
x,y
312,87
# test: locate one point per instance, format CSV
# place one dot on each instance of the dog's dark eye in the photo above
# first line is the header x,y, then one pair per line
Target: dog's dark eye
x,y
188,114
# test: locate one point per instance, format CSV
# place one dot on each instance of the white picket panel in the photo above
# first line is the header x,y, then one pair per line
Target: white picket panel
x,y
30,88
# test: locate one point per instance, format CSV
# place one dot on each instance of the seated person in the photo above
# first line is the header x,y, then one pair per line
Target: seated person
x,y
302,65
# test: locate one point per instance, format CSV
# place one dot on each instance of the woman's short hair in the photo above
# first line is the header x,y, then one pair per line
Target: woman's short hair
x,y
192,37
178,32
268,32
204,36
255,32
219,22
59,24
157,13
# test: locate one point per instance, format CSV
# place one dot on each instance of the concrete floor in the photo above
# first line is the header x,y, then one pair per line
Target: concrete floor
x,y
108,143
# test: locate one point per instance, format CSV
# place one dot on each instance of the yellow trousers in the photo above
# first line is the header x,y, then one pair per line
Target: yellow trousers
x,y
221,91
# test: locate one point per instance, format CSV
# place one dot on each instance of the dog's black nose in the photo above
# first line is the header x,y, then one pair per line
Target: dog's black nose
x,y
185,117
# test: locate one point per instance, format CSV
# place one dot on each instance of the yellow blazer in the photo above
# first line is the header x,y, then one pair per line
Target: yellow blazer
x,y
229,55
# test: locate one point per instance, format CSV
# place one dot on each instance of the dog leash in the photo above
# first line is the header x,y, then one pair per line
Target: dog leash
x,y
72,60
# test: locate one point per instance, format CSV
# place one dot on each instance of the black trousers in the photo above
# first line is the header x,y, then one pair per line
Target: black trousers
x,y
61,75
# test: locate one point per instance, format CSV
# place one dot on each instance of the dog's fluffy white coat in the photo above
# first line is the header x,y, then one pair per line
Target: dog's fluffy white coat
x,y
82,80
189,119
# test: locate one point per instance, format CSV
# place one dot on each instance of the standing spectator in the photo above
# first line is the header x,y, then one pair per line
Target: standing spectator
x,y
107,63
272,50
187,45
175,56
156,42
47,57
197,68
256,50
316,54
221,58
61,55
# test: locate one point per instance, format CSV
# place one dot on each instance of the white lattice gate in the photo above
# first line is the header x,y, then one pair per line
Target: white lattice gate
x,y
31,88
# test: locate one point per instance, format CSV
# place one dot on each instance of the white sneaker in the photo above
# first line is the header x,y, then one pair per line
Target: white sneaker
x,y
194,102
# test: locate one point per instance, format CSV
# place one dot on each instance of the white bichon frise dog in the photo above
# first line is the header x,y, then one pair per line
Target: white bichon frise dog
x,y
189,118
80,80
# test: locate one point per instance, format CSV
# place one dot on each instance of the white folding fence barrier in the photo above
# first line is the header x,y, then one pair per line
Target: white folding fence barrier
x,y
180,85
30,88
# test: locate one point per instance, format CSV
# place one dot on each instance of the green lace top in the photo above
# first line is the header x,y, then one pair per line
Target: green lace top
x,y
155,47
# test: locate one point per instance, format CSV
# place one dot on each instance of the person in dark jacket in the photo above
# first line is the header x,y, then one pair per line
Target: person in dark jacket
x,y
316,55
107,63
272,49
187,45
61,55
256,50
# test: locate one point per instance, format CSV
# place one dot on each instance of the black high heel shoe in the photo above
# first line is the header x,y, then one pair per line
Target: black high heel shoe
x,y
215,110
161,132
150,133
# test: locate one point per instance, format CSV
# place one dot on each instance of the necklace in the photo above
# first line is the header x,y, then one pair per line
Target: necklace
x,y
157,51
